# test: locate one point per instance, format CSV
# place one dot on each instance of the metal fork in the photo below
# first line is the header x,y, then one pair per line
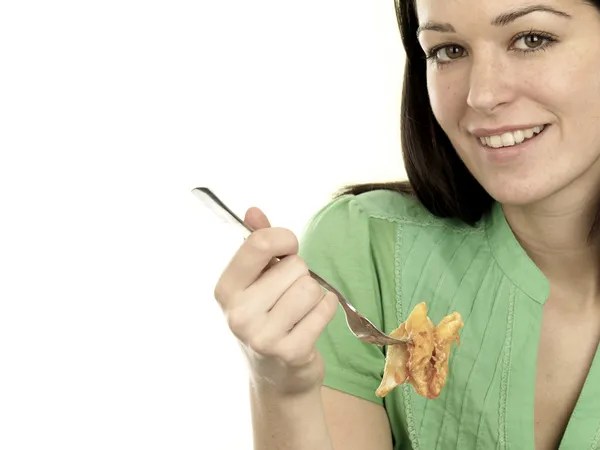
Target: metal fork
x,y
360,326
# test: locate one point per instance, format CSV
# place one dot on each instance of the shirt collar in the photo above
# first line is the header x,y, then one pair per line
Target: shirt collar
x,y
512,258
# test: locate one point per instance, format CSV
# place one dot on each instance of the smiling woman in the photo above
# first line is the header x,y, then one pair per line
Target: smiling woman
x,y
501,141
495,80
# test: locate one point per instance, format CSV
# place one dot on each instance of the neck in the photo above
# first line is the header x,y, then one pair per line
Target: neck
x,y
555,234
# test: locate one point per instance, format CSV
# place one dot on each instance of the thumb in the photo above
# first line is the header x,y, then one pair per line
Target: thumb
x,y
256,219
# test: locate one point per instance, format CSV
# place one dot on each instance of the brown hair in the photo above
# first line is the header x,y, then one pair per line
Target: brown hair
x,y
437,176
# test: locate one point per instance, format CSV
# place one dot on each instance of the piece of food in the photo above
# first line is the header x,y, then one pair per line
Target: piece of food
x,y
424,362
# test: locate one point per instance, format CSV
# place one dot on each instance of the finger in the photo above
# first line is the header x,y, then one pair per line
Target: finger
x,y
303,337
302,296
251,258
269,328
256,219
285,288
268,289
281,285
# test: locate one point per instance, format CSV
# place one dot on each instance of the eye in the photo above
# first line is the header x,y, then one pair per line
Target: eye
x,y
446,53
532,41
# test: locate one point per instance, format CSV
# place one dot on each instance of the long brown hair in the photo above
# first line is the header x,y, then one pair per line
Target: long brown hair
x,y
436,175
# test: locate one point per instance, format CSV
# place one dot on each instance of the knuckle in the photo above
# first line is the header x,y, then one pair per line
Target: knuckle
x,y
295,356
297,264
326,309
261,345
223,290
274,240
331,305
261,240
330,300
238,320
310,286
293,243
220,292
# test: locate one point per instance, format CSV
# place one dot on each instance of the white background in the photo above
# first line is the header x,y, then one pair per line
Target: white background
x,y
110,113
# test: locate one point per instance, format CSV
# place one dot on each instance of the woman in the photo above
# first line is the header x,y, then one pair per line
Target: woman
x,y
502,144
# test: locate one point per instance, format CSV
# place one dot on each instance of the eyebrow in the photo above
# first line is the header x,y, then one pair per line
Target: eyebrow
x,y
499,21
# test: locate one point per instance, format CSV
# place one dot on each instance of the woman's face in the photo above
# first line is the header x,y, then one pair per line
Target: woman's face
x,y
516,86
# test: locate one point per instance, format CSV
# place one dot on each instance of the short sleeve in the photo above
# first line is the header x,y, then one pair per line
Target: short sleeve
x,y
336,244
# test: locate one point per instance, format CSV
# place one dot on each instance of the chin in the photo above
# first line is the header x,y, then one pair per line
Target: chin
x,y
517,192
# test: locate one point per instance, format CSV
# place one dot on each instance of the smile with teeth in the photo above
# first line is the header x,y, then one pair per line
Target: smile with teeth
x,y
511,138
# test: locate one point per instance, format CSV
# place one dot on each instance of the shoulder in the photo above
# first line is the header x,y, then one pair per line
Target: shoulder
x,y
383,205
380,228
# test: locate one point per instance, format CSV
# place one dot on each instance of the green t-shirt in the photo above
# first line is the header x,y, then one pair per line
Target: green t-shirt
x,y
386,253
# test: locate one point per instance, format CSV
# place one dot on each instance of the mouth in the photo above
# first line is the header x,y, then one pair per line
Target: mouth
x,y
512,139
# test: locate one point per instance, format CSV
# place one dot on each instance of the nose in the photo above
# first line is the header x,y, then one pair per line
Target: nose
x,y
489,85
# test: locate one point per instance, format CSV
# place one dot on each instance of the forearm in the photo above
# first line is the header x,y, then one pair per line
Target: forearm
x,y
288,423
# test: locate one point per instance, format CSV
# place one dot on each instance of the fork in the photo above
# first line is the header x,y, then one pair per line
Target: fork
x,y
359,325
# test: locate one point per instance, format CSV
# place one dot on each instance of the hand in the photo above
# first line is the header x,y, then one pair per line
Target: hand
x,y
275,308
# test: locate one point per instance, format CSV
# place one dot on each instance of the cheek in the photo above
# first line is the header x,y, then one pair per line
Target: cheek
x,y
579,89
447,99
570,91
568,83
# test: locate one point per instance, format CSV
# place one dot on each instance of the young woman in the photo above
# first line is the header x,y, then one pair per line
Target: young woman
x,y
501,137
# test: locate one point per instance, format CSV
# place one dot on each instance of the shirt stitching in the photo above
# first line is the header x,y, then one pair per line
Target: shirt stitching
x,y
596,440
406,393
433,222
504,383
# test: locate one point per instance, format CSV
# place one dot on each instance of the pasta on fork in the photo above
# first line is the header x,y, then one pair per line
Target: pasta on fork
x,y
424,362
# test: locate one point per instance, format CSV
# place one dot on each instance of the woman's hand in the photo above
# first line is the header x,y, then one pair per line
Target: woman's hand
x,y
275,309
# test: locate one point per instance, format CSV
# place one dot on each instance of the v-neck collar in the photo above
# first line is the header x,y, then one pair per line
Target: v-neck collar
x,y
584,420
522,271
513,259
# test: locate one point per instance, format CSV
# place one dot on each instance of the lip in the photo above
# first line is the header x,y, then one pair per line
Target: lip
x,y
487,132
504,155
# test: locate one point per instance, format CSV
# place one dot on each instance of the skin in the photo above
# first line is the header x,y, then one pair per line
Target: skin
x,y
482,78
277,313
548,193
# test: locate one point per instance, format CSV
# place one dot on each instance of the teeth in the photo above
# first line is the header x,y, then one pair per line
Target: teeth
x,y
510,138
496,141
519,136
